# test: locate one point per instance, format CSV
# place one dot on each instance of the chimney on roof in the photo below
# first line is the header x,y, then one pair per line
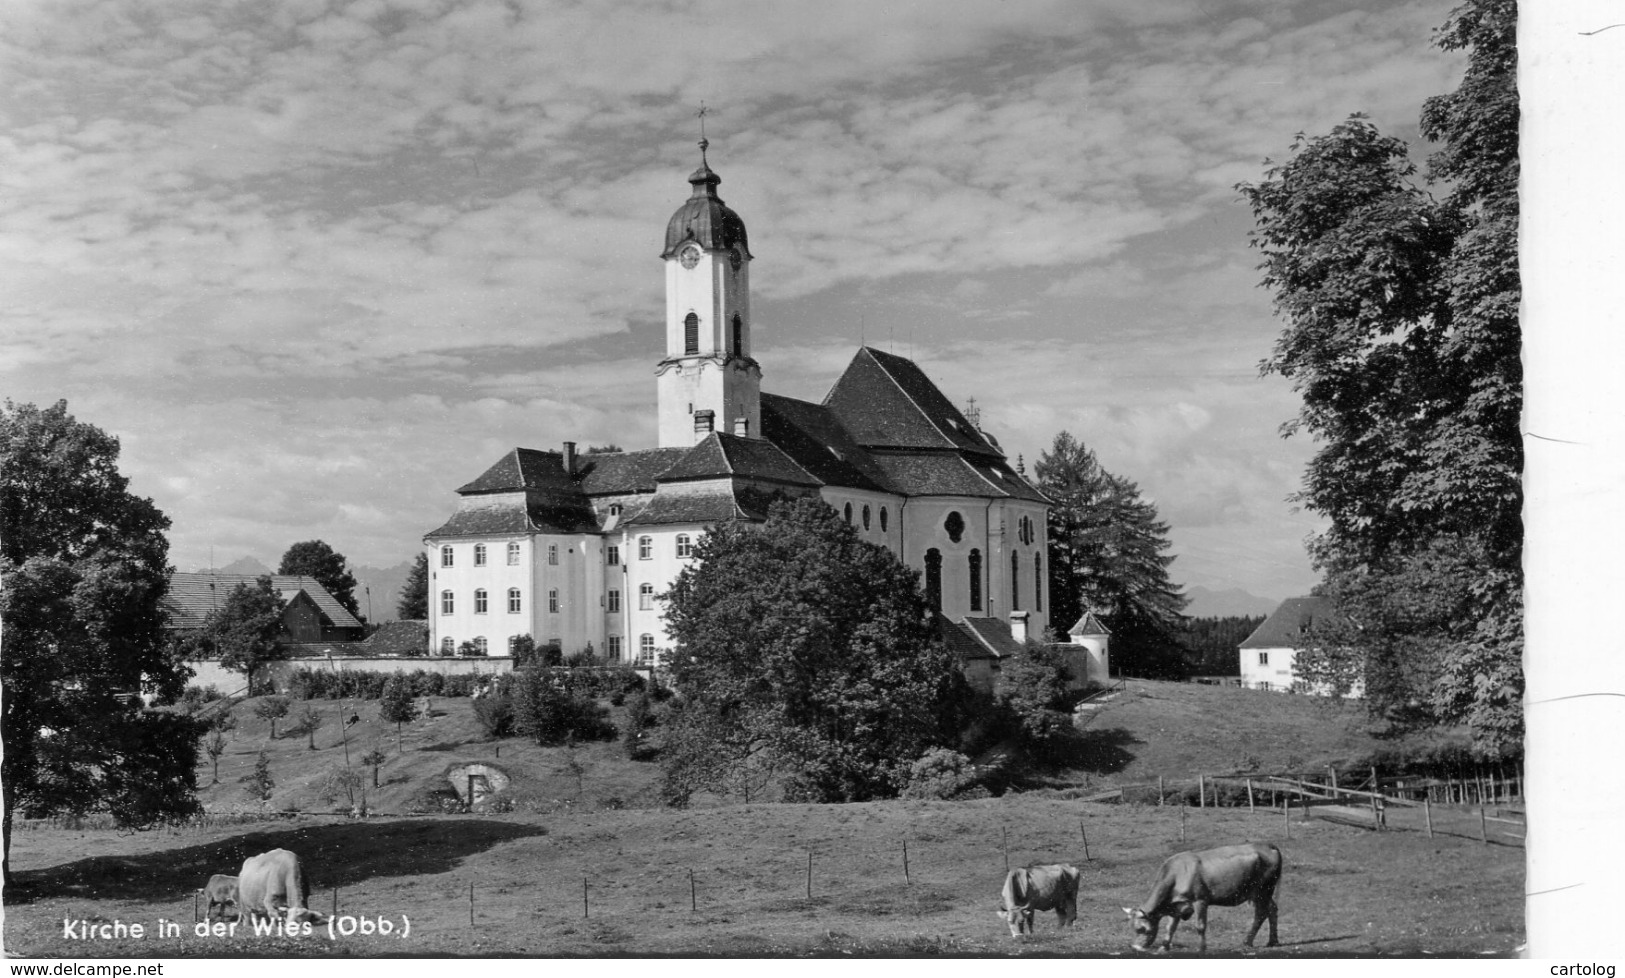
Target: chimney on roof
x,y
569,458
704,424
1018,626
742,427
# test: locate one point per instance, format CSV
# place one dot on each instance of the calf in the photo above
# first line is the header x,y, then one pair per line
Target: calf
x,y
1053,887
220,891
1190,882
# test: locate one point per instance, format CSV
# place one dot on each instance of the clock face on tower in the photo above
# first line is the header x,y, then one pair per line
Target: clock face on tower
x,y
689,256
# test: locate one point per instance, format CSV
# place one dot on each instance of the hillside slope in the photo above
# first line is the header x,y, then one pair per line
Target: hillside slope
x,y
1180,730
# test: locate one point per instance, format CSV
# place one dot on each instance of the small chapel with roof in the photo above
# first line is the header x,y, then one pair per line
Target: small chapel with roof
x,y
574,549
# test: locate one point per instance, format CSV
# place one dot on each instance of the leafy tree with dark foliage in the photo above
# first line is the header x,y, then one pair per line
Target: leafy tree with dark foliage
x,y
802,649
414,602
314,558
1402,337
397,705
1214,644
1106,556
243,632
83,572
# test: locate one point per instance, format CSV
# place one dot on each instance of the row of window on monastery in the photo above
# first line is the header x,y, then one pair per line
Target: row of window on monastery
x,y
516,601
612,552
613,647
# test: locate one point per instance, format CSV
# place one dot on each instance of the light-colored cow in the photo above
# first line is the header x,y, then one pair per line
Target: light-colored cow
x,y
1190,882
272,882
1052,887
220,891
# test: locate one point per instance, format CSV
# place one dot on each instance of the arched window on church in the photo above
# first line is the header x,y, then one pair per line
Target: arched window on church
x,y
1038,582
691,334
933,579
739,336
848,512
866,517
882,519
975,580
1015,582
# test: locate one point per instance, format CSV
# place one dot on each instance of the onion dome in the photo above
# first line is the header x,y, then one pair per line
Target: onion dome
x,y
704,219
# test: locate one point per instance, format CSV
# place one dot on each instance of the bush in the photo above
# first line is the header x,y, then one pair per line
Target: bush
x,y
939,774
639,718
549,713
195,697
495,715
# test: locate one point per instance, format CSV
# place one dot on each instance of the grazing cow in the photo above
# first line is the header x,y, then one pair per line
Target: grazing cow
x,y
220,891
1053,887
272,881
1190,882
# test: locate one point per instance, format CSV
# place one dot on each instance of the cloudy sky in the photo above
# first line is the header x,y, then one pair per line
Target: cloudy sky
x,y
317,263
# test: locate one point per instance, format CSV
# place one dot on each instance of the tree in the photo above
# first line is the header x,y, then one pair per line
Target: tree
x,y
83,572
340,780
1214,644
314,558
397,705
214,744
802,647
1036,687
1106,555
414,603
1402,337
374,759
244,631
272,708
259,784
310,721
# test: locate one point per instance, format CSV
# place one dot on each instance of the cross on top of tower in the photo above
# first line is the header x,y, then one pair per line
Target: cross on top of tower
x,y
704,143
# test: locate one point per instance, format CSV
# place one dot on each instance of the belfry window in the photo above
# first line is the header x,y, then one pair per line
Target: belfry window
x,y
976,580
691,334
933,579
739,336
1015,582
1038,582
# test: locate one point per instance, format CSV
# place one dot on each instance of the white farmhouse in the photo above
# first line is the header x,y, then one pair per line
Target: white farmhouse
x,y
574,549
1267,654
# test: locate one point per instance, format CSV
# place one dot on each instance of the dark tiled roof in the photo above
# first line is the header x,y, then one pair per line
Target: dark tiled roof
x,y
722,456
707,507
1008,480
522,468
619,473
1089,625
961,643
1284,628
398,638
810,435
994,634
543,512
321,650
194,597
887,401
935,475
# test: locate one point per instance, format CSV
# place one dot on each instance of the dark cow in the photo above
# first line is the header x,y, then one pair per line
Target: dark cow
x,y
1190,882
271,882
1053,887
220,891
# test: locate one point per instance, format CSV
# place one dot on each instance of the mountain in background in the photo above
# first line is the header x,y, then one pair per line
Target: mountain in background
x,y
1207,603
385,583
242,565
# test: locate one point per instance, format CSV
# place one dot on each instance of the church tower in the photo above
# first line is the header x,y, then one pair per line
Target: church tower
x,y
708,380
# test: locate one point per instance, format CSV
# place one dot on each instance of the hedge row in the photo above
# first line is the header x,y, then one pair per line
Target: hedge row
x,y
313,684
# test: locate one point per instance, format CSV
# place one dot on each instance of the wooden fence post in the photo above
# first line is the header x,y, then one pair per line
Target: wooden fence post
x,y
1427,814
1182,823
583,898
1376,815
1483,830
194,906
1159,791
1004,833
809,871
335,901
1286,813
906,878
1249,796
1201,792
1084,832
693,902
1333,772
471,904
